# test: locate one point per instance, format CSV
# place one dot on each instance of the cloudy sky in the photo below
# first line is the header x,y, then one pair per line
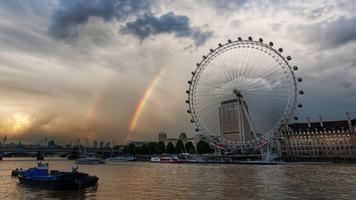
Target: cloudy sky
x,y
118,69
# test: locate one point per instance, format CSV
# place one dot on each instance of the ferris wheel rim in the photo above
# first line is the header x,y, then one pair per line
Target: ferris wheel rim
x,y
258,45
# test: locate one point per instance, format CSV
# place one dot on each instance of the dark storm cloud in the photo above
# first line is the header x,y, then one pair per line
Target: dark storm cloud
x,y
331,34
179,25
70,14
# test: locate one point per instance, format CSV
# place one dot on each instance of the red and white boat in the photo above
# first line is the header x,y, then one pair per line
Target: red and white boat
x,y
165,159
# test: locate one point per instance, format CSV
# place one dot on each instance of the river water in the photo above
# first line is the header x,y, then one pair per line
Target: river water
x,y
141,180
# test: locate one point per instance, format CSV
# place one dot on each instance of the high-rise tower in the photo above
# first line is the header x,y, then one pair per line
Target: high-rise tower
x,y
235,122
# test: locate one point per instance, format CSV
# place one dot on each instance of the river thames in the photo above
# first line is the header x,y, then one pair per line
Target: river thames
x,y
140,180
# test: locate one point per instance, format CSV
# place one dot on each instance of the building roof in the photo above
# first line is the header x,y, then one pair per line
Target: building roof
x,y
339,125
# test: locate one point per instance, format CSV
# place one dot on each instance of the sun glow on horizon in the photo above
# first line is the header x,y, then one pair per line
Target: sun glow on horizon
x,y
16,123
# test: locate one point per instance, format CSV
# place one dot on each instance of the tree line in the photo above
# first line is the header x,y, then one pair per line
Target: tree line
x,y
160,148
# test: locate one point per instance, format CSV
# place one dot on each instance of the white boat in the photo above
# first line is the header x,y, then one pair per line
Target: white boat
x,y
88,159
192,158
121,159
165,159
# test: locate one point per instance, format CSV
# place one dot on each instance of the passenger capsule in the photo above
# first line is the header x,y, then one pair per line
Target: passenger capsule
x,y
211,50
271,44
229,41
239,39
300,105
187,91
204,57
250,38
188,111
220,45
280,50
299,79
198,64
193,73
289,58
196,130
295,118
189,82
261,40
301,92
186,101
295,67
191,121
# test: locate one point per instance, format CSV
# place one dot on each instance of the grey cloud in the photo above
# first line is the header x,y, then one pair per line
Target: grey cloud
x,y
148,25
331,34
70,14
229,4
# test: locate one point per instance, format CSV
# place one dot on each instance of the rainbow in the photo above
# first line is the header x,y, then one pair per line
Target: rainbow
x,y
92,113
140,106
90,121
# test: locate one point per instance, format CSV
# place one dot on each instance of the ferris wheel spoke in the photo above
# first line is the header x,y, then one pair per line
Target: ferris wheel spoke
x,y
256,100
220,66
274,74
270,107
253,84
211,86
225,66
206,106
214,98
247,67
262,94
261,63
233,64
242,64
204,89
210,122
255,63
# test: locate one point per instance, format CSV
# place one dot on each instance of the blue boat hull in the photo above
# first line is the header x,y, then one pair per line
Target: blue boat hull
x,y
61,181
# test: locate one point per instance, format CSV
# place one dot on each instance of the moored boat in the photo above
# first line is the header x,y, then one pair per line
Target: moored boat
x,y
165,159
120,159
90,160
57,180
192,158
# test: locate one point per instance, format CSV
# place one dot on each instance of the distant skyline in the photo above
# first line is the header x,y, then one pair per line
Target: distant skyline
x,y
117,70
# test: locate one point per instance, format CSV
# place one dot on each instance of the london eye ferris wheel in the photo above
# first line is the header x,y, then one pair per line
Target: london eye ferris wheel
x,y
242,94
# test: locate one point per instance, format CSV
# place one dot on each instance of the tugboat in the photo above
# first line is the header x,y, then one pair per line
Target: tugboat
x,y
56,180
16,172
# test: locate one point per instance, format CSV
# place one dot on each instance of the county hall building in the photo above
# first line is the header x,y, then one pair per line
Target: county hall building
x,y
321,139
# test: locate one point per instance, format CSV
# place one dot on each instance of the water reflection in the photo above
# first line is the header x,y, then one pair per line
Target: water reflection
x,y
194,181
24,190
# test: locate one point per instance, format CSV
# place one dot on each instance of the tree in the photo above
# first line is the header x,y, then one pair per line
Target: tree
x,y
180,147
151,148
203,147
126,149
189,147
138,149
160,147
144,149
132,148
170,148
